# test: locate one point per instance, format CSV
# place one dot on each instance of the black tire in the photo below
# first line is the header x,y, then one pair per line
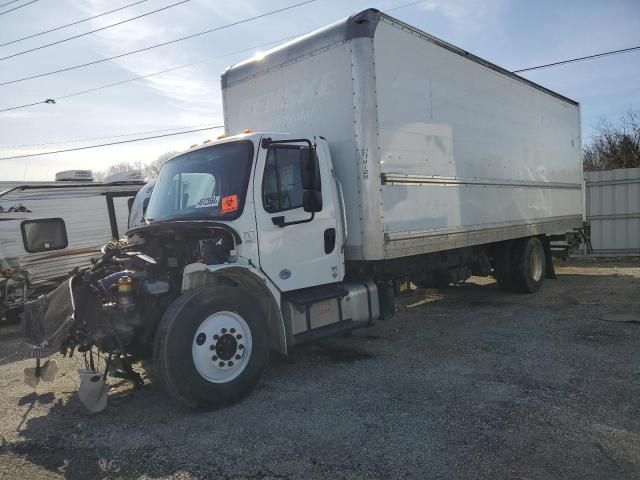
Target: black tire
x,y
528,265
173,360
503,267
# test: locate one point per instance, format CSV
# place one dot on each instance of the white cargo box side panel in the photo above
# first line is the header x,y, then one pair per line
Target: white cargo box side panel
x,y
312,93
468,150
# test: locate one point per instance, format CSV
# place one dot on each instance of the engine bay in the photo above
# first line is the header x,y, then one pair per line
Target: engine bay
x,y
117,303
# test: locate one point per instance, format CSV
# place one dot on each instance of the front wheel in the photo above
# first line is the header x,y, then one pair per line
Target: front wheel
x,y
211,347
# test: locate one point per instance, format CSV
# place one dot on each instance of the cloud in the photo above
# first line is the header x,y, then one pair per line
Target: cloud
x,y
461,9
190,87
16,115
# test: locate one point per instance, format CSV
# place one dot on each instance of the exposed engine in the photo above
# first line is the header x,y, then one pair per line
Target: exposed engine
x,y
118,302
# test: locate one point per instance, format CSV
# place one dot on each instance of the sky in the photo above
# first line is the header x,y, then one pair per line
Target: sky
x,y
511,33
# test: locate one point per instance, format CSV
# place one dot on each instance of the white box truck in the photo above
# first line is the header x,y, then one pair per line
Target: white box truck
x,y
356,157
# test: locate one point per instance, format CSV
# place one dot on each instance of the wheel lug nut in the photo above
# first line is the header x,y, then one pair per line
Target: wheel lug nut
x,y
224,330
238,357
214,358
230,363
221,364
216,337
240,346
239,337
212,347
232,330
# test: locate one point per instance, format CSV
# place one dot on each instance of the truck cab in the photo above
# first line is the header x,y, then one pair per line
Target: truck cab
x,y
279,194
242,254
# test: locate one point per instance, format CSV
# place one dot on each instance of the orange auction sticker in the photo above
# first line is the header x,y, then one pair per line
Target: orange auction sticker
x,y
230,203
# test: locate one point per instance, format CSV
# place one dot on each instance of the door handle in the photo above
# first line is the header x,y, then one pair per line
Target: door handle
x,y
278,221
329,240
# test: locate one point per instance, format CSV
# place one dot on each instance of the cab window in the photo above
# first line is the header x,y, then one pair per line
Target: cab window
x,y
282,182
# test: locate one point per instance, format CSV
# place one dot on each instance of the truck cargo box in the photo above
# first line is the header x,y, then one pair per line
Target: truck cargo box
x,y
435,148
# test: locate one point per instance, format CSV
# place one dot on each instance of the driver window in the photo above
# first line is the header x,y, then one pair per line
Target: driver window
x,y
282,181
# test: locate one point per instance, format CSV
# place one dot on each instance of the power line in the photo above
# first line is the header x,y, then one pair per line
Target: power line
x,y
19,6
8,3
579,59
404,6
145,132
94,31
110,143
48,100
222,27
78,140
140,77
70,24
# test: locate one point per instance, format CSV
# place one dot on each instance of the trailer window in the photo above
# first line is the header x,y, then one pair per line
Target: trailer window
x,y
282,182
44,234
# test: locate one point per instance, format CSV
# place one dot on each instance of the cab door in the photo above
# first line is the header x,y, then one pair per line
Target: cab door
x,y
298,249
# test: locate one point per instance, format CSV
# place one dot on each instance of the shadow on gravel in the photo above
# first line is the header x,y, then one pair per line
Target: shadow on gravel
x,y
336,354
64,440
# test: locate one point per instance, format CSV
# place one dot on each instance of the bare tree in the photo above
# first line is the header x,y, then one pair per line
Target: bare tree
x,y
614,145
149,171
152,169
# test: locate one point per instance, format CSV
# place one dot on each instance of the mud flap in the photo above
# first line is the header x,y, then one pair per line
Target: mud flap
x,y
549,268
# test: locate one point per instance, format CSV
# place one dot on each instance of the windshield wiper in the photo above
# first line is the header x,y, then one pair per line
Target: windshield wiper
x,y
179,216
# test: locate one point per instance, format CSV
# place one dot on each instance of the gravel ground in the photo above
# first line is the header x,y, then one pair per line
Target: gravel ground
x,y
468,382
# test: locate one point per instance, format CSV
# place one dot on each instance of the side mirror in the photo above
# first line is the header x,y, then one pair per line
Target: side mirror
x,y
145,204
312,201
309,169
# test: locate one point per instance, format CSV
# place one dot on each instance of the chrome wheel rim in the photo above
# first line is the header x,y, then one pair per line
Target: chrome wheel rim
x,y
536,263
221,347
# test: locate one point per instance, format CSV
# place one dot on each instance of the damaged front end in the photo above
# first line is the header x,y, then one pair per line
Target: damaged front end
x,y
111,310
105,306
105,309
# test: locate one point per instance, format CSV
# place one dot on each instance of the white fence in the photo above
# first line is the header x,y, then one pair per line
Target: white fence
x,y
613,210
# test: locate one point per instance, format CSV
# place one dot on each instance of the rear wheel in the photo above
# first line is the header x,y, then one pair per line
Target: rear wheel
x,y
211,347
529,265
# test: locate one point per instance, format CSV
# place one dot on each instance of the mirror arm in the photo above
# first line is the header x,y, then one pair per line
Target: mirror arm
x,y
279,221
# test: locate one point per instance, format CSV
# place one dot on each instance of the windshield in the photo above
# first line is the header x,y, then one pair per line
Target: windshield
x,y
203,184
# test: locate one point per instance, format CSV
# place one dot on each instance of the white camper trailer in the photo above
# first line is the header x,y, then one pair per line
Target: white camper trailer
x,y
49,228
